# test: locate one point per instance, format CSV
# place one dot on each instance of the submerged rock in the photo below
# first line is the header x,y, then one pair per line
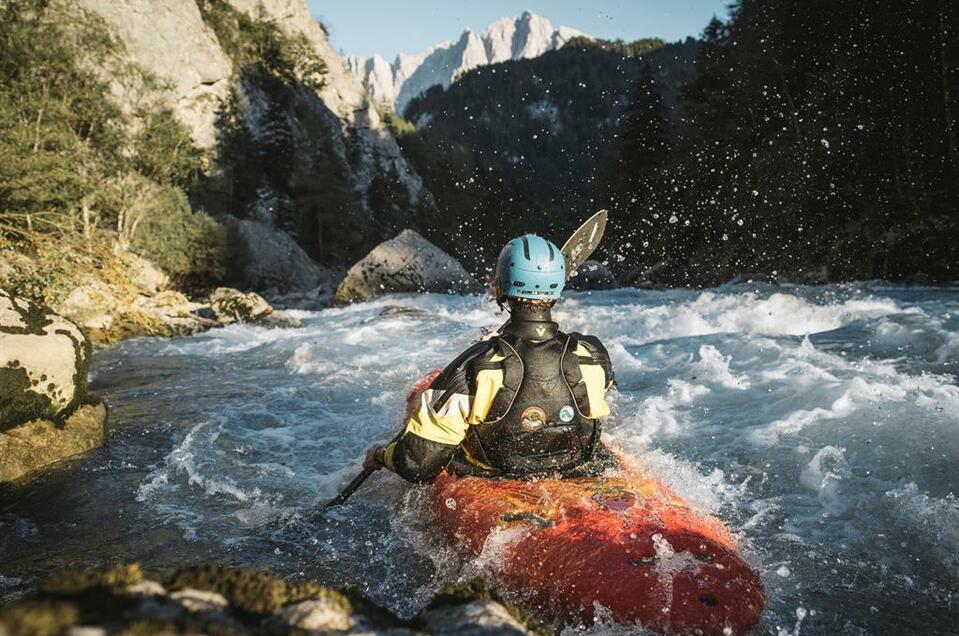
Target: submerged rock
x,y
592,275
41,442
401,310
406,263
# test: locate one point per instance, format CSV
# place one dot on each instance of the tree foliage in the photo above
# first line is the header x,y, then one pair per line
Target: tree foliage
x,y
277,158
818,144
519,146
808,140
70,155
258,46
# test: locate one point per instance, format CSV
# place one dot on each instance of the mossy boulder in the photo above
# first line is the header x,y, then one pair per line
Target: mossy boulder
x,y
215,599
475,604
406,263
41,442
46,414
44,360
231,305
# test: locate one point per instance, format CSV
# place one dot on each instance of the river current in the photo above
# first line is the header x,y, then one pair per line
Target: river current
x,y
820,423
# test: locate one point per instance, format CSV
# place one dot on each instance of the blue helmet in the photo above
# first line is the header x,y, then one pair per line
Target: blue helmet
x,y
531,267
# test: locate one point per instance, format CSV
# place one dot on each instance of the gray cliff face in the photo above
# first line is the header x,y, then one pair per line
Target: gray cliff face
x,y
168,39
335,130
362,130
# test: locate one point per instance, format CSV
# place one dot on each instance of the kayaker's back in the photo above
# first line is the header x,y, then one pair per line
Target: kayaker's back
x,y
541,395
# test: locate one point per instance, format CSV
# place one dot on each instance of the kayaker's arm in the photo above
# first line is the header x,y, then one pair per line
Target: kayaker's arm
x,y
436,427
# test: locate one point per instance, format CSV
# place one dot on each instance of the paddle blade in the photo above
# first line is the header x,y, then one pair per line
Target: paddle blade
x,y
584,241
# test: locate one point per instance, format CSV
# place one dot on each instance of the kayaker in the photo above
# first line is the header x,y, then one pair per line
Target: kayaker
x,y
527,402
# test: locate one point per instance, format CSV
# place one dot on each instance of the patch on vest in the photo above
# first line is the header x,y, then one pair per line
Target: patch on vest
x,y
533,418
566,414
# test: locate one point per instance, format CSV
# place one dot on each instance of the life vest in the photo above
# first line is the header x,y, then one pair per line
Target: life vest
x,y
538,422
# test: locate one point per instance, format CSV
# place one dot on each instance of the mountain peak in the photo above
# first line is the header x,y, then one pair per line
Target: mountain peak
x,y
508,38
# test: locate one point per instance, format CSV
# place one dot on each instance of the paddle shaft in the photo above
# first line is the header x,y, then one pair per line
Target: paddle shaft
x,y
351,487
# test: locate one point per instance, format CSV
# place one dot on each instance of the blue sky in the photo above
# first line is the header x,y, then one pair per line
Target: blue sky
x,y
363,28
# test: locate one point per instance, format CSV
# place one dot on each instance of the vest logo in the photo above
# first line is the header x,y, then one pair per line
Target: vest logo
x,y
566,413
533,418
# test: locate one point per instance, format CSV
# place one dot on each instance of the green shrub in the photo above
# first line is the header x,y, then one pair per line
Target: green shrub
x,y
164,151
188,245
257,46
59,133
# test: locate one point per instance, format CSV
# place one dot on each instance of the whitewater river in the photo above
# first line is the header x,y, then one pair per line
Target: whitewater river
x,y
822,424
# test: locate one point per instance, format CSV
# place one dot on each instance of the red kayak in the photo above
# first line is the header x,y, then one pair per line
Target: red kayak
x,y
625,543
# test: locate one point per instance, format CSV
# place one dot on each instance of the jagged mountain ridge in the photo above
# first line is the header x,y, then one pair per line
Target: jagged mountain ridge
x,y
524,37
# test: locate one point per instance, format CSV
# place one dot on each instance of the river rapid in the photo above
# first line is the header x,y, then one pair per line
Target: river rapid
x,y
820,423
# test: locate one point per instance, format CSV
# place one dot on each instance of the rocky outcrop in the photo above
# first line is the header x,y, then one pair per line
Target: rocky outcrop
x,y
214,599
230,305
361,132
107,313
46,414
406,263
168,39
269,259
395,84
193,75
44,360
592,275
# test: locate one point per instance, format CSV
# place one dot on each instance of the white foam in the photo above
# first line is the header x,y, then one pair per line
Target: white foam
x,y
824,474
817,422
712,312
714,367
661,415
936,520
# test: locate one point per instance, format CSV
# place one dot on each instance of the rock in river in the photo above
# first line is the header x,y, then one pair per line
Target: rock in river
x,y
406,263
45,412
592,275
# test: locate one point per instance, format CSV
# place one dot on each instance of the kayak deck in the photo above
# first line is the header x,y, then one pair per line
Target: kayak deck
x,y
626,543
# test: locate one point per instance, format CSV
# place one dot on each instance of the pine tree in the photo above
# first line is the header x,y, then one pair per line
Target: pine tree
x,y
641,145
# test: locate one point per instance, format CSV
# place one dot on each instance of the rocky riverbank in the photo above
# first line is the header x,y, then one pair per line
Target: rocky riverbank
x,y
46,411
46,349
223,600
